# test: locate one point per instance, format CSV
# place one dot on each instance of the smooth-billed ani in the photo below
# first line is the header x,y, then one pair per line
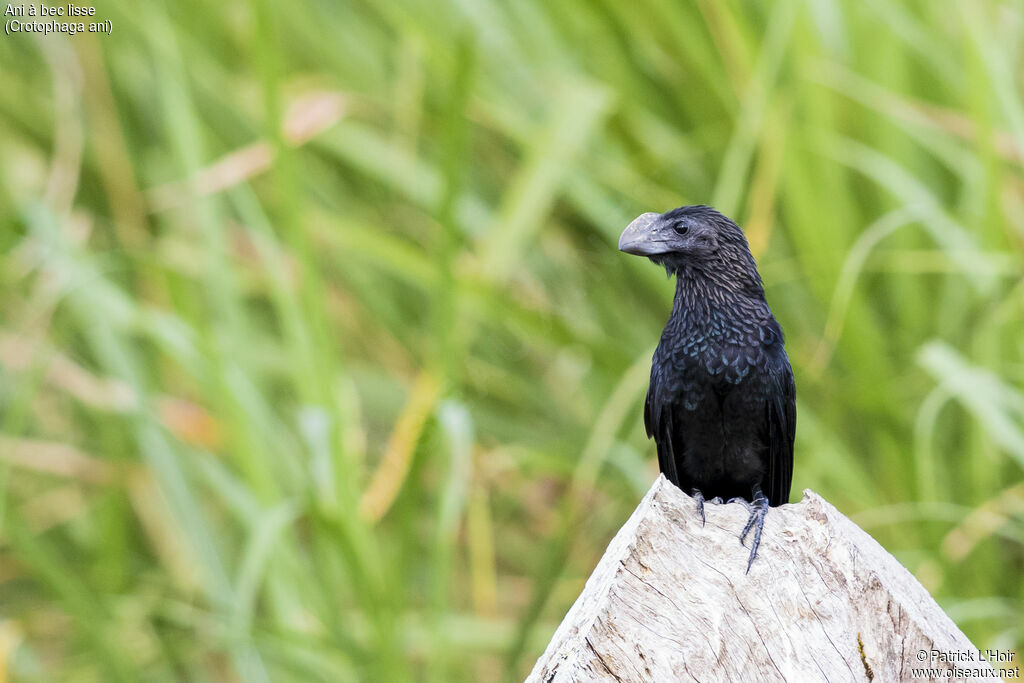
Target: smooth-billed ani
x,y
721,403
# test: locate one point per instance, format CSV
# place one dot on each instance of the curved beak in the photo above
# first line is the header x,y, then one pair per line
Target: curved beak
x,y
641,238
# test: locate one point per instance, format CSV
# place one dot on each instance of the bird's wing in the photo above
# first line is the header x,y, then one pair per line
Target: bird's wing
x,y
658,422
650,423
781,407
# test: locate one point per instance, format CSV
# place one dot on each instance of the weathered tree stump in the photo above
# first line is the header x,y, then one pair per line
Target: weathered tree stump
x,y
670,601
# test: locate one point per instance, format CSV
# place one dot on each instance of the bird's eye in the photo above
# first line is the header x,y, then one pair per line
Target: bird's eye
x,y
681,228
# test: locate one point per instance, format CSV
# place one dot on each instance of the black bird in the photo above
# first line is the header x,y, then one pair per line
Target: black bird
x,y
722,403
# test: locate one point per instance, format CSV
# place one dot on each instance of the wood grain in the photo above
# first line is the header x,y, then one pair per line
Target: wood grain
x,y
823,601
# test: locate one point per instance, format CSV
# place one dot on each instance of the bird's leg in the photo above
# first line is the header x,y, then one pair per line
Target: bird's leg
x,y
758,508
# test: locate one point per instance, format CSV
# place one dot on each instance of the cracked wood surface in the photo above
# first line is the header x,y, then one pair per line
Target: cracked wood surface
x,y
823,601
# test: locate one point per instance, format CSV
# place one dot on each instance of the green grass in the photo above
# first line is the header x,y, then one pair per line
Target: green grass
x,y
362,400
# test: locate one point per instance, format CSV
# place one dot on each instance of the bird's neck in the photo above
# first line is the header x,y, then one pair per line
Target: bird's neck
x,y
704,293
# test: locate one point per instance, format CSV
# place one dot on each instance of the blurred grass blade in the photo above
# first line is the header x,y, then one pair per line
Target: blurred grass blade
x,y
736,161
852,267
394,464
960,244
576,115
996,405
996,513
265,533
36,553
480,537
457,427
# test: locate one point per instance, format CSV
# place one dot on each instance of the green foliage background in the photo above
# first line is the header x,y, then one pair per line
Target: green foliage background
x,y
318,362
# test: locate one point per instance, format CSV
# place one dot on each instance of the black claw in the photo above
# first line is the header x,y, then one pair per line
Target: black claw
x,y
699,497
757,509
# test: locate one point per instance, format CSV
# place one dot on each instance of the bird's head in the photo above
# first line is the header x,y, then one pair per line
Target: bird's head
x,y
693,238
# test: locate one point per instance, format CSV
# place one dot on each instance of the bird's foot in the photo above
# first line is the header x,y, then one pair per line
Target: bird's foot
x,y
758,508
699,497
